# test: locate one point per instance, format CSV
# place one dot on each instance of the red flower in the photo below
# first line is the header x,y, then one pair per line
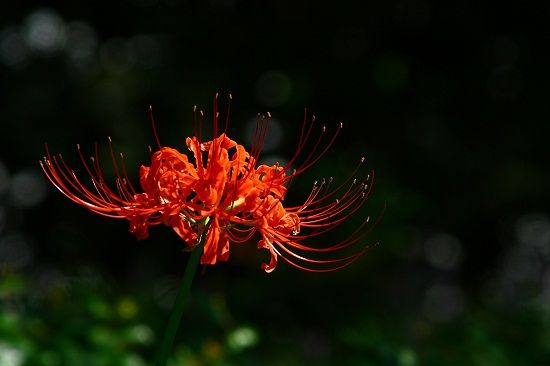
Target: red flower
x,y
224,194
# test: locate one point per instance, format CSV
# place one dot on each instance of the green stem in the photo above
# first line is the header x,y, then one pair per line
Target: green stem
x,y
181,300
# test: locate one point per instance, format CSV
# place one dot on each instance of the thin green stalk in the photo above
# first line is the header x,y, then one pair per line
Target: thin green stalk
x,y
181,300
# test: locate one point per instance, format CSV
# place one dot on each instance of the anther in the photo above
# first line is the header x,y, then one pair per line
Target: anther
x,y
341,125
109,138
268,115
150,108
324,128
362,159
78,146
354,180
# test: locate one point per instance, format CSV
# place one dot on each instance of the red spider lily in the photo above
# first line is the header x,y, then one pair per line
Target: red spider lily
x,y
219,190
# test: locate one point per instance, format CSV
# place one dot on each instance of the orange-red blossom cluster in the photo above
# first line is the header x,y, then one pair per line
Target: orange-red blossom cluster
x,y
220,191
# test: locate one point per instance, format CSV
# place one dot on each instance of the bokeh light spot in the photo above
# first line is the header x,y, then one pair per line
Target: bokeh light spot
x,y
28,188
142,334
406,357
533,230
99,308
521,277
273,88
145,50
45,31
127,308
81,41
390,73
10,355
13,50
114,54
212,349
443,302
15,250
100,335
242,337
443,251
133,360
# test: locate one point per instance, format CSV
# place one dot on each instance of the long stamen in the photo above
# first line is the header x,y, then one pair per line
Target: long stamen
x,y
154,126
228,113
302,140
195,126
126,179
309,164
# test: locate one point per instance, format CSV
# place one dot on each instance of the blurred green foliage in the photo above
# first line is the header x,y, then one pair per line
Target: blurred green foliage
x,y
96,326
447,100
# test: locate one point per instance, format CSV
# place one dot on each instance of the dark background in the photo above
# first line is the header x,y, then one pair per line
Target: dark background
x,y
447,101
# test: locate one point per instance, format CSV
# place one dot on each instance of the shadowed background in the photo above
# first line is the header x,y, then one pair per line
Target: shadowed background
x,y
447,102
